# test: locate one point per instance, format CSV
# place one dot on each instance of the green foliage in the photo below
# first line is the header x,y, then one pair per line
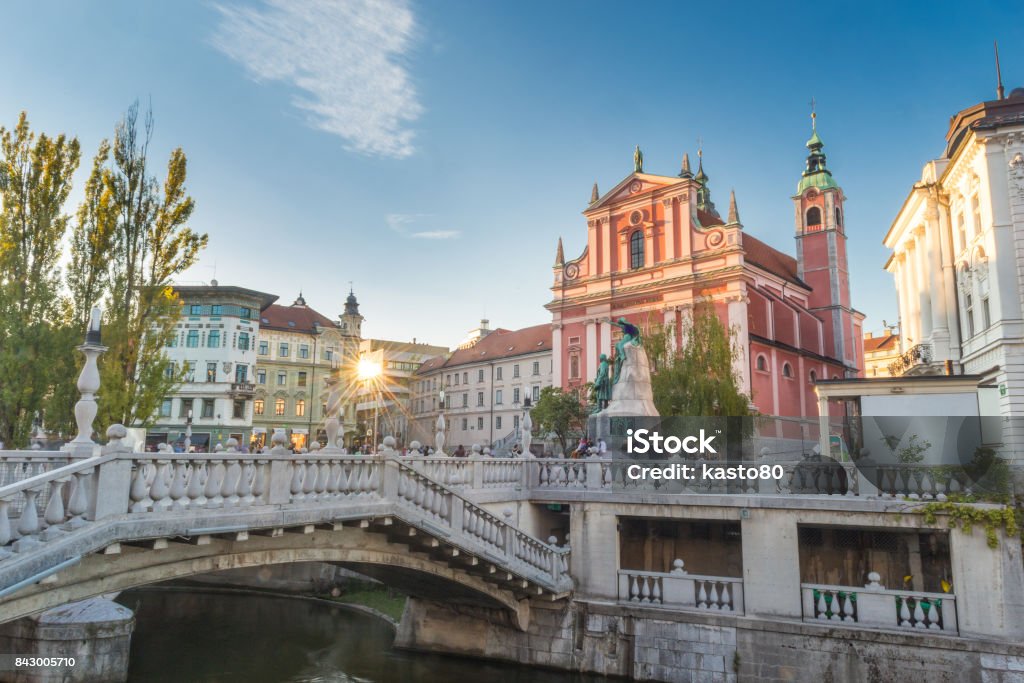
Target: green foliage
x,y
35,181
699,378
562,412
912,453
966,516
991,474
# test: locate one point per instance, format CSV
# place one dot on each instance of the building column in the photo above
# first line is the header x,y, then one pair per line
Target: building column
x,y
590,372
737,313
948,292
823,425
605,335
556,355
670,233
923,267
649,241
914,326
607,244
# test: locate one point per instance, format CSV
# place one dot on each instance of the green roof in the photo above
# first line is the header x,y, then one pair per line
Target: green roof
x,y
822,180
815,140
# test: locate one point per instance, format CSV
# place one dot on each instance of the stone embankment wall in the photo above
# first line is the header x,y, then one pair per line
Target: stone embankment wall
x,y
656,645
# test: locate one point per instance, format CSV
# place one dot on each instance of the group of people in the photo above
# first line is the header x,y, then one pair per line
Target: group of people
x,y
587,446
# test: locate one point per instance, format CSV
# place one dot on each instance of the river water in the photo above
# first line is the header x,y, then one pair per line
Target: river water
x,y
196,637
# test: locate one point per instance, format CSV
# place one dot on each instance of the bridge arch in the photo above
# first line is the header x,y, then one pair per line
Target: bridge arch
x,y
417,573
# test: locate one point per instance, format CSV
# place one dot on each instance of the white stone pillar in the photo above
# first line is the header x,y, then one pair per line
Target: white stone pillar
x,y
590,372
823,424
924,287
608,244
933,235
914,326
737,312
605,335
771,564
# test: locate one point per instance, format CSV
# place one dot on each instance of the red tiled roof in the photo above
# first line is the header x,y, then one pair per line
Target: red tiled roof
x,y
771,259
886,342
499,344
298,318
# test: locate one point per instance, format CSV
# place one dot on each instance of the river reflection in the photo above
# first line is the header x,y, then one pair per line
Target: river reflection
x,y
198,637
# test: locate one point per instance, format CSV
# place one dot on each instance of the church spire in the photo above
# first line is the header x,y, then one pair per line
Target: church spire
x,y
560,254
816,174
594,194
685,172
734,214
704,202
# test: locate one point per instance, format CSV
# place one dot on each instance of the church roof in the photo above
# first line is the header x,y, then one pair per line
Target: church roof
x,y
498,345
771,259
293,318
885,342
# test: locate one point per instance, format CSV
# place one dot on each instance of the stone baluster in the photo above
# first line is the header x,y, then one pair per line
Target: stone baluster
x,y
78,502
139,494
179,480
5,526
232,478
196,490
215,483
161,486
298,475
259,482
88,384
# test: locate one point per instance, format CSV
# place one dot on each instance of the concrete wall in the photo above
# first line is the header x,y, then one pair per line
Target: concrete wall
x,y
660,645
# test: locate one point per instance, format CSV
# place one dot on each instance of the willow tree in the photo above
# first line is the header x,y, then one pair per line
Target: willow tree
x,y
149,243
35,180
698,379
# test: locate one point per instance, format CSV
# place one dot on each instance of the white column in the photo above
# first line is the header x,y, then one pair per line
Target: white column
x,y
924,283
948,292
737,312
590,372
556,355
605,335
914,326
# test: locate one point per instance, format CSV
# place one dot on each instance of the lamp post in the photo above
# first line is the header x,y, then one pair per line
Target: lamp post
x,y
527,426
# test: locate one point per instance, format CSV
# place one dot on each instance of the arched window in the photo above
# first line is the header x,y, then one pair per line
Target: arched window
x,y
279,407
787,370
813,216
762,364
813,376
636,249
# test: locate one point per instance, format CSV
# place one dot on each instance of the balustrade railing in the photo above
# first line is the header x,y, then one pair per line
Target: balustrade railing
x,y
681,590
880,607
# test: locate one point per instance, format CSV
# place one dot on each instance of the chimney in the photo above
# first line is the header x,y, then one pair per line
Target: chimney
x,y
484,324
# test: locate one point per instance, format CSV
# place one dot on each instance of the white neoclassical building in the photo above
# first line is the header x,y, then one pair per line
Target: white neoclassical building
x,y
957,255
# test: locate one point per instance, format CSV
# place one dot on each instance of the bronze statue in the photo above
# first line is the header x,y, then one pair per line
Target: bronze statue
x,y
630,335
638,160
602,391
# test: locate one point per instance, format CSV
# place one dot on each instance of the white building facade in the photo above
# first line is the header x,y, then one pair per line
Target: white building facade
x,y
957,248
215,345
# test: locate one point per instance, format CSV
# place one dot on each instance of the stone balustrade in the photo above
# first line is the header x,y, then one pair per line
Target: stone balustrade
x,y
680,590
878,607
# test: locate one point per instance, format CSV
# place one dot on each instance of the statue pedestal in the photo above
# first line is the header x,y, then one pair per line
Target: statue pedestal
x,y
632,401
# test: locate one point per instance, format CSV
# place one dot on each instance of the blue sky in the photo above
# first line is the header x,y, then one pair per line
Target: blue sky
x,y
433,152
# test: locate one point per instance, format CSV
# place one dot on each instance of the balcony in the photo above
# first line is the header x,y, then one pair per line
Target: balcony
x,y
915,356
680,590
242,389
874,606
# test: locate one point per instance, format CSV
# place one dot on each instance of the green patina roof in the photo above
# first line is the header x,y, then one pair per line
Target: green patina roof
x,y
815,140
822,180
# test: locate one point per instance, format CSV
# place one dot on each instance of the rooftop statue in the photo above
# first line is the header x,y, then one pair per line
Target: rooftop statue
x,y
638,160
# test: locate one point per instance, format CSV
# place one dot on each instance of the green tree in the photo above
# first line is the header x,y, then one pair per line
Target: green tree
x,y
562,412
698,379
150,243
35,180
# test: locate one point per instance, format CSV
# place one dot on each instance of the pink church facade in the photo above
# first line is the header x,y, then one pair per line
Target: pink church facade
x,y
656,245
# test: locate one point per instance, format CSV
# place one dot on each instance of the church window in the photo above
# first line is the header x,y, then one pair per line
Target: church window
x,y
762,364
839,218
813,216
969,310
636,249
813,376
787,370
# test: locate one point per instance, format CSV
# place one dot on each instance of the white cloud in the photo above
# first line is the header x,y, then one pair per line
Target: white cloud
x,y
436,234
404,224
346,57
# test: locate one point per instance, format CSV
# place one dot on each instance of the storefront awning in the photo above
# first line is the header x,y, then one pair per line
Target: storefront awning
x,y
259,430
301,430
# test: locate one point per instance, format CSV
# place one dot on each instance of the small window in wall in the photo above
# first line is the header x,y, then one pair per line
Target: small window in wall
x,y
761,364
813,376
986,316
497,373
497,422
479,423
257,406
813,216
279,407
574,366
787,370
839,218
636,249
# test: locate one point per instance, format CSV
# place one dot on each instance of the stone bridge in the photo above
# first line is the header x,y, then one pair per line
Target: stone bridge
x,y
72,528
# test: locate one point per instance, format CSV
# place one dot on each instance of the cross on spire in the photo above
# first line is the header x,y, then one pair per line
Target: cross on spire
x,y
814,115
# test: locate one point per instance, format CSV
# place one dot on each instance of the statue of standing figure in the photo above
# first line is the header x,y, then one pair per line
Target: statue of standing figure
x,y
630,335
602,391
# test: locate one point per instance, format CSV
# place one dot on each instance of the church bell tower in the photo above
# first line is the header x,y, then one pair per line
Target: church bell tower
x,y
822,256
